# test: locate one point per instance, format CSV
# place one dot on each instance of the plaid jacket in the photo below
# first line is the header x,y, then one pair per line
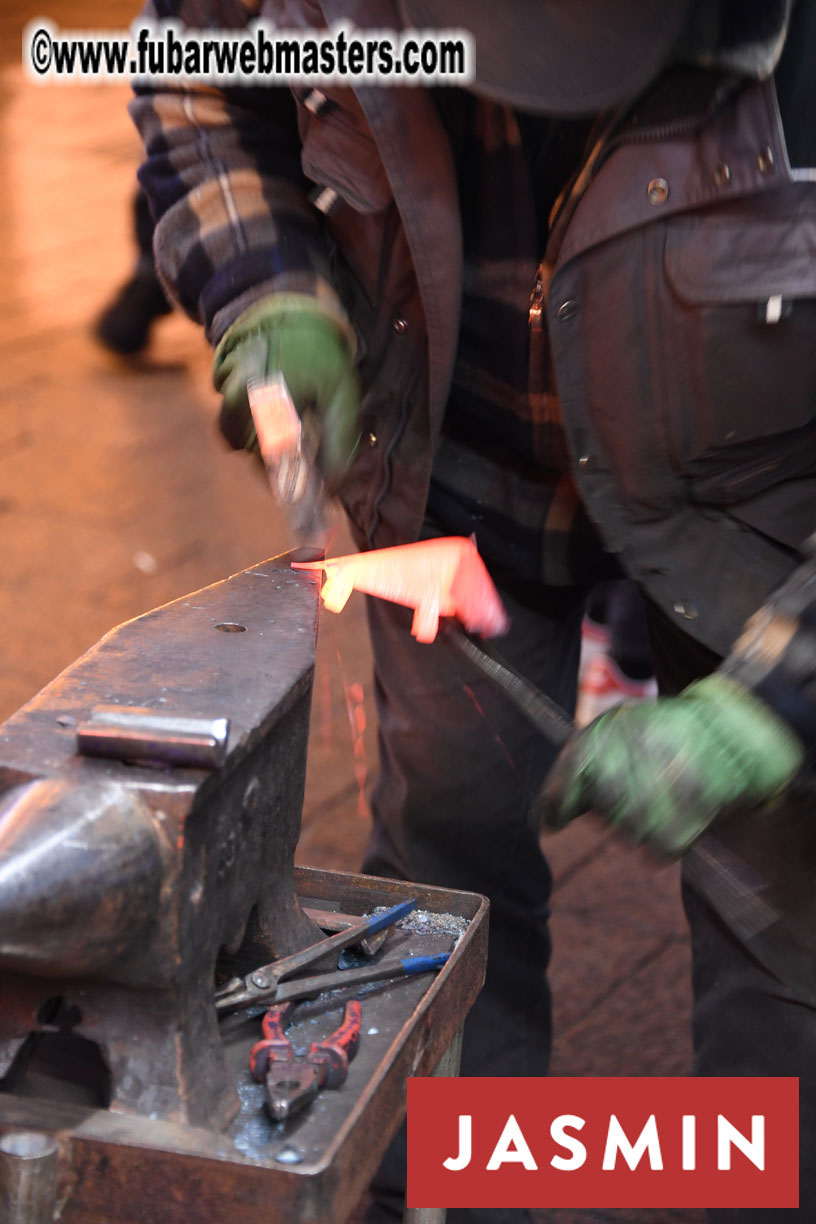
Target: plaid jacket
x,y
225,174
501,471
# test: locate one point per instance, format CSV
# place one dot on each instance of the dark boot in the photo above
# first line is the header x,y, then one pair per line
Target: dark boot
x,y
124,326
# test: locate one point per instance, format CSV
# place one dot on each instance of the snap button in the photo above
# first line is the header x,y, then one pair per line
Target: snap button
x,y
765,160
658,191
567,310
686,609
722,175
400,325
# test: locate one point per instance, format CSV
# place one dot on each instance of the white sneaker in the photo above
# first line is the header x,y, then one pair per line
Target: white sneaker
x,y
594,643
603,685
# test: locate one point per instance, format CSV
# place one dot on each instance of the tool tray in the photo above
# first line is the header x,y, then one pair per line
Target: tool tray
x,y
312,1168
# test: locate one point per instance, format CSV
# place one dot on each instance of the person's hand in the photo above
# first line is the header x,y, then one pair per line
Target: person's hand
x,y
662,771
296,336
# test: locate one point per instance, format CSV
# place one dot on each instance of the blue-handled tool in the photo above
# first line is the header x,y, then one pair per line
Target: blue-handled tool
x,y
391,967
262,984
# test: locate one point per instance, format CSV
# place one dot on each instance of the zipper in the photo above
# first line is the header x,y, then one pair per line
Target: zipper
x,y
536,311
393,443
764,470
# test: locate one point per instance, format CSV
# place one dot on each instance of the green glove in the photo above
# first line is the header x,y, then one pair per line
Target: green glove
x,y
662,771
312,346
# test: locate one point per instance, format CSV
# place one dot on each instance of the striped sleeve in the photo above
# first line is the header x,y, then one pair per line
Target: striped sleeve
x,y
223,174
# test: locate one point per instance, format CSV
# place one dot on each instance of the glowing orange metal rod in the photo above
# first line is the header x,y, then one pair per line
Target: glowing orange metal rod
x,y
442,577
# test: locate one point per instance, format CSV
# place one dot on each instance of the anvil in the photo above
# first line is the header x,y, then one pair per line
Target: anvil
x,y
125,883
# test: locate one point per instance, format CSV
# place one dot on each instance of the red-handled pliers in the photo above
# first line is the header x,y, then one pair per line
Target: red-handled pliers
x,y
293,1083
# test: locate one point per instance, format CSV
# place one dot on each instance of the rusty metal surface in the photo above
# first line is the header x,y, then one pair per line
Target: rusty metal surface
x,y
313,1168
203,860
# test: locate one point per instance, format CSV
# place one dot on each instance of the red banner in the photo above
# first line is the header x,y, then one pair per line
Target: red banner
x,y
653,1143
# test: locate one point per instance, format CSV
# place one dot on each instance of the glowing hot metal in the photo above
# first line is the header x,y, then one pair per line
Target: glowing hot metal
x,y
442,577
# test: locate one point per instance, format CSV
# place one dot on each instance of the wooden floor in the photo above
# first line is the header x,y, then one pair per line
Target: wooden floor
x,y
116,495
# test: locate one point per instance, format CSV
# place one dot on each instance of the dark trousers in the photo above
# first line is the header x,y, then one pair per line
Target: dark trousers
x,y
458,770
750,901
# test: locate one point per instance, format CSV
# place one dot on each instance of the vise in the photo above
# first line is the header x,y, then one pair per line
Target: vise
x,y
126,883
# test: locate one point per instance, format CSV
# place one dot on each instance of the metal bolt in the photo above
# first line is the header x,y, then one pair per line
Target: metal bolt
x,y
722,175
567,310
371,438
261,981
686,609
28,1177
658,191
765,160
400,325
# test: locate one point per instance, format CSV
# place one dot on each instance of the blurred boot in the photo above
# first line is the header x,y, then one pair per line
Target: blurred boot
x,y
124,325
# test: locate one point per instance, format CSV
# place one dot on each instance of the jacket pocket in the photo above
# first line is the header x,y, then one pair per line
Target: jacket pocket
x,y
741,330
338,150
743,471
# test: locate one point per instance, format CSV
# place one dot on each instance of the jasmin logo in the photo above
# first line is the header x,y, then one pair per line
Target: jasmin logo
x,y
594,1143
513,1148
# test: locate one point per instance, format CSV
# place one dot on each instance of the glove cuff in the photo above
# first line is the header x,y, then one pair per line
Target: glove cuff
x,y
279,308
775,656
770,752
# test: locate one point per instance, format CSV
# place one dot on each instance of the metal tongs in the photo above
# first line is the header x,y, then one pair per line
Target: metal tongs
x,y
262,985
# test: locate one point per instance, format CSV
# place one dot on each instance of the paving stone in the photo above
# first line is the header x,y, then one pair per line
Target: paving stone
x,y
640,1026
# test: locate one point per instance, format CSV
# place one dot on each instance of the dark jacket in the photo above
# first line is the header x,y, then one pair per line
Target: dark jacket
x,y
681,301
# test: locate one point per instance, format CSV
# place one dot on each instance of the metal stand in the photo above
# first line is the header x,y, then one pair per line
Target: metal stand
x,y
447,1065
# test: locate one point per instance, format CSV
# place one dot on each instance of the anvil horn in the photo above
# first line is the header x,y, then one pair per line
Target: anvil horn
x,y
80,875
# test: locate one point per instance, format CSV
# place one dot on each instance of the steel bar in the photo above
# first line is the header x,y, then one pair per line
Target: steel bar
x,y
545,715
132,733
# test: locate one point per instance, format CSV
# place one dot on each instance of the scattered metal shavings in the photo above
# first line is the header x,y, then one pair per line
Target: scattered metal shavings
x,y
254,1133
423,922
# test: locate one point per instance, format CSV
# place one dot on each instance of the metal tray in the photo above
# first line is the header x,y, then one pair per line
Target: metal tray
x,y
313,1168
